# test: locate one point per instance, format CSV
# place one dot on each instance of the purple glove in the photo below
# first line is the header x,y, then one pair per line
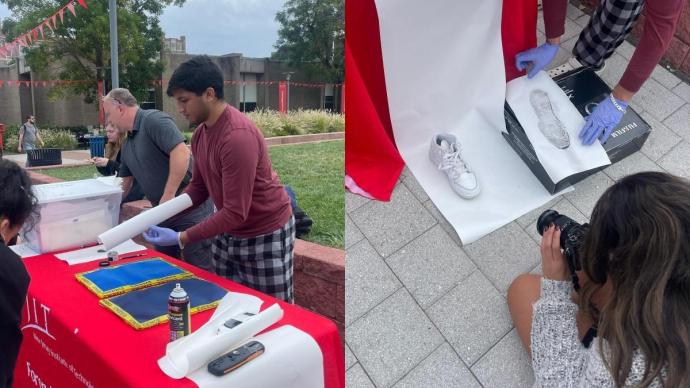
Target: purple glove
x,y
539,57
603,120
162,237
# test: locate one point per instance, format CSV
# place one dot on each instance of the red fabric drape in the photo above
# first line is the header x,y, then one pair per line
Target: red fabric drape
x,y
371,158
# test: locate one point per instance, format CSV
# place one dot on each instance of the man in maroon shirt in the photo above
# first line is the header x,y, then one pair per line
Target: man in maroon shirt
x,y
610,24
254,228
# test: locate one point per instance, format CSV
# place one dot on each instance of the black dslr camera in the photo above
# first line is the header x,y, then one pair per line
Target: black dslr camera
x,y
572,237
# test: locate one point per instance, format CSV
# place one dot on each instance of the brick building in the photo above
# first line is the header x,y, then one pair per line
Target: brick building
x,y
254,85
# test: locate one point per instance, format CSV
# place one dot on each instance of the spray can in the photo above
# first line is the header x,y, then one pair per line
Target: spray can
x,y
179,313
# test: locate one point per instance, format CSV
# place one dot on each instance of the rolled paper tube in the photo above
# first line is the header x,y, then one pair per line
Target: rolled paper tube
x,y
137,225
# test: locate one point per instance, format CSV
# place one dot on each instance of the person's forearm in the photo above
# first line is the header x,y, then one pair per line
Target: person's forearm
x,y
126,185
554,17
179,163
622,93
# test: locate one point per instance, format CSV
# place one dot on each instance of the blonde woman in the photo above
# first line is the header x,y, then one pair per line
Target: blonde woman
x,y
110,164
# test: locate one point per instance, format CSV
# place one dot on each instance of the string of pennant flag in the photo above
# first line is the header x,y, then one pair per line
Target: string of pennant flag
x,y
41,31
54,83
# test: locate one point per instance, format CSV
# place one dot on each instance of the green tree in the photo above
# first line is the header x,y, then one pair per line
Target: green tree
x,y
312,37
79,49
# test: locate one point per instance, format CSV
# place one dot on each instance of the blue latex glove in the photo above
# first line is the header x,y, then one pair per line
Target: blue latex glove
x,y
162,237
539,57
601,122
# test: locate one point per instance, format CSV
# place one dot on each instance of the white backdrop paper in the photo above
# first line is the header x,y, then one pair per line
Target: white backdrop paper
x,y
558,163
444,70
292,359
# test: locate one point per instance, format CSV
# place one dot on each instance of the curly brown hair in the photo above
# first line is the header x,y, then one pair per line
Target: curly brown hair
x,y
639,242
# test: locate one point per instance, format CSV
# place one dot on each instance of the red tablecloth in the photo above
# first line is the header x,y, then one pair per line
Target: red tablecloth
x,y
371,157
71,341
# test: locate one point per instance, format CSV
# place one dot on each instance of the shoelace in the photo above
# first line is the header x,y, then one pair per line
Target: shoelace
x,y
452,160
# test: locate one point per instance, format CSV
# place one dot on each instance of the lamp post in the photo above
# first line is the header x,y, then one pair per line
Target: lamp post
x,y
112,6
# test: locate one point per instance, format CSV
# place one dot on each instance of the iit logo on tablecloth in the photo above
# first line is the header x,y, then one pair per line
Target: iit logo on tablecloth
x,y
36,319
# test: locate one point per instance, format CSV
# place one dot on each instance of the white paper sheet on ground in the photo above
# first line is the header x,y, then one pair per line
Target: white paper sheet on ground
x,y
292,357
138,224
451,78
97,252
199,349
23,250
558,163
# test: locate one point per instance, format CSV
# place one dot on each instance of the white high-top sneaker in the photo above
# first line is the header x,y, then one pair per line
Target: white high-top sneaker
x,y
571,64
444,153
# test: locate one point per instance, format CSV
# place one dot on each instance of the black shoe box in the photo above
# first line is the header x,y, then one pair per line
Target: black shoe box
x,y
585,90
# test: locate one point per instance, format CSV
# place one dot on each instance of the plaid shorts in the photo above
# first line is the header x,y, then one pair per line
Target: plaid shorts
x,y
263,263
610,24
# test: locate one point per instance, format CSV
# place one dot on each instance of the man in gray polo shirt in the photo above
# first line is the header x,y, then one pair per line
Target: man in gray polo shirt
x,y
155,155
28,135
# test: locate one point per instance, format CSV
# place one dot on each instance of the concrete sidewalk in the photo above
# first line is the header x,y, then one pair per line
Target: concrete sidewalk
x,y
422,310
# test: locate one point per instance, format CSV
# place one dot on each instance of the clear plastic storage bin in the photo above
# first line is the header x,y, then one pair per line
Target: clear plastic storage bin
x,y
72,214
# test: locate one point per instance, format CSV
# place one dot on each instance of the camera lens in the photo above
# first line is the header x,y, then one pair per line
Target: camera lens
x,y
546,218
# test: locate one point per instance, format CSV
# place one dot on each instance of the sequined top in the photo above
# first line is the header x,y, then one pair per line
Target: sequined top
x,y
558,357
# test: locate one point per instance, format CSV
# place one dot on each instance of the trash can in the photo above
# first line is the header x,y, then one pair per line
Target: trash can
x,y
97,144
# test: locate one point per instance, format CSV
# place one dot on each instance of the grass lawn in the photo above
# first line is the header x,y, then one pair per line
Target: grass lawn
x,y
315,171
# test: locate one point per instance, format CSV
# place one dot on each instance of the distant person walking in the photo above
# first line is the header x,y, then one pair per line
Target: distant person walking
x,y
28,135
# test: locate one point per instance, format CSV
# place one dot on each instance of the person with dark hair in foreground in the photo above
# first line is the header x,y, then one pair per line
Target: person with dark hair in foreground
x,y
254,227
635,290
17,202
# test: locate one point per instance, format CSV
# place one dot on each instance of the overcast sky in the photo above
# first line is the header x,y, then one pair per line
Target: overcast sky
x,y
221,26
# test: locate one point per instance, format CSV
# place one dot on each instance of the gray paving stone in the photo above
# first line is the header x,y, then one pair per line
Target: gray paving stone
x,y
679,122
660,140
352,233
636,162
350,359
665,77
368,280
506,365
391,225
571,30
357,378
582,21
393,338
573,12
563,207
442,368
473,317
540,21
569,44
588,191
405,173
677,161
532,216
657,100
615,67
430,265
354,201
429,205
411,183
504,254
541,38
626,49
683,91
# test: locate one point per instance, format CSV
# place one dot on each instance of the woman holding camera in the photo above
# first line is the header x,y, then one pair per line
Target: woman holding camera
x,y
16,205
635,286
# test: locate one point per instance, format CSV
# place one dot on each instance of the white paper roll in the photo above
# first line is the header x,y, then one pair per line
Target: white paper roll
x,y
182,360
143,221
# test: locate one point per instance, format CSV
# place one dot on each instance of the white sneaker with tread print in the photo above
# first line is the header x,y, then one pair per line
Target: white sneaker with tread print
x,y
444,153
